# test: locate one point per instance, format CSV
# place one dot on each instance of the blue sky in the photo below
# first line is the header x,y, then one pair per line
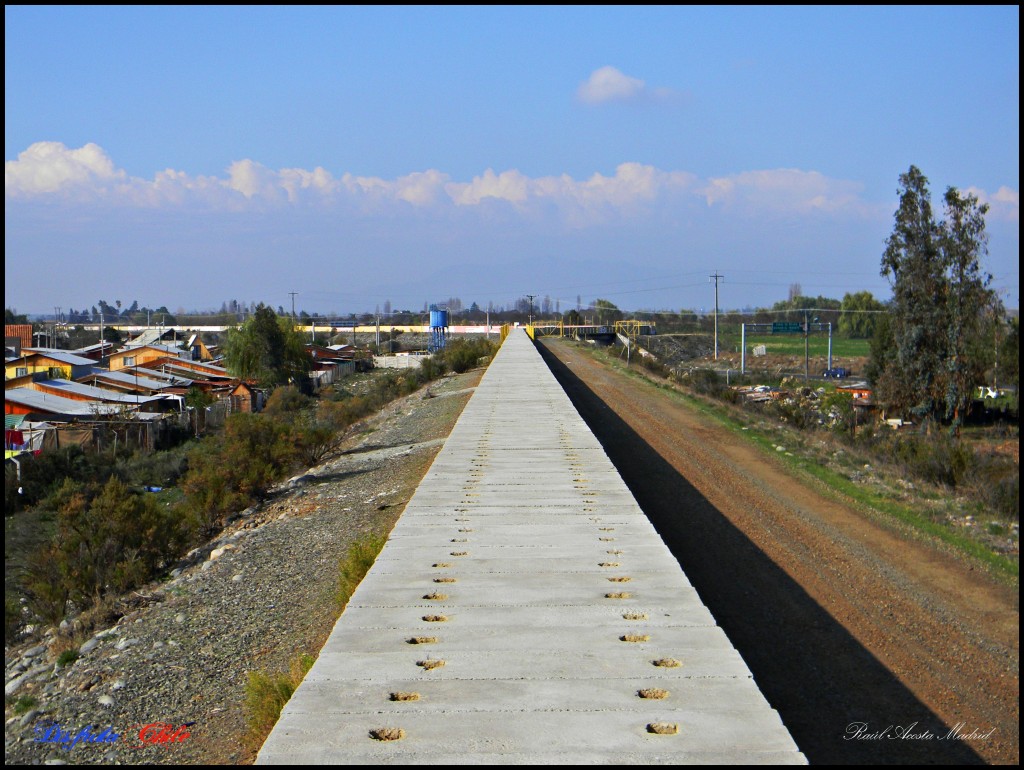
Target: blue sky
x,y
188,156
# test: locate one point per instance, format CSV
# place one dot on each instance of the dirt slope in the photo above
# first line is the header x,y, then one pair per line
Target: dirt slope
x,y
873,647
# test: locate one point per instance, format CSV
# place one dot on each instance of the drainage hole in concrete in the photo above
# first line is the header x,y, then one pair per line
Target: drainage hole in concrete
x,y
609,564
441,564
445,580
654,693
436,618
663,728
459,553
622,579
634,615
422,640
429,665
435,597
618,595
404,696
387,734
635,638
667,663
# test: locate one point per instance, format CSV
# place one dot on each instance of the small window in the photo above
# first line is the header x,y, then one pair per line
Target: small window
x,y
129,360
20,371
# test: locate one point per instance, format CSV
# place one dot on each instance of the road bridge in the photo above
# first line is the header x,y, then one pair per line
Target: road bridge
x,y
525,611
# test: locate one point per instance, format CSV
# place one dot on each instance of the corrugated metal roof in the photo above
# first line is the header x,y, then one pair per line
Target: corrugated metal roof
x,y
59,355
147,337
131,379
95,393
12,421
155,374
45,402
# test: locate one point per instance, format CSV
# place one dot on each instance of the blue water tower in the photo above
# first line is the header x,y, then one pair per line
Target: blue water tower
x,y
438,329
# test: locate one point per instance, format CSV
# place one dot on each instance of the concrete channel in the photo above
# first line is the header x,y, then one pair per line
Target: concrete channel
x,y
524,611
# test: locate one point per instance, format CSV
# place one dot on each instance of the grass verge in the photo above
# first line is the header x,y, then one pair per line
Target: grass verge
x,y
266,695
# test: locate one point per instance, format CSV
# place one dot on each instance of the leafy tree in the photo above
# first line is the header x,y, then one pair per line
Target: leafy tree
x,y
860,314
10,317
941,299
913,263
1008,368
963,241
606,311
267,349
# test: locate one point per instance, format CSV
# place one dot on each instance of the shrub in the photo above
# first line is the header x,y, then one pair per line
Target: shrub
x,y
461,355
230,472
105,543
705,381
43,474
286,400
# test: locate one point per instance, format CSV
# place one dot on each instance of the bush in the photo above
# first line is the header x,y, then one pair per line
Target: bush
x,y
43,474
461,355
705,381
154,469
286,400
105,543
230,472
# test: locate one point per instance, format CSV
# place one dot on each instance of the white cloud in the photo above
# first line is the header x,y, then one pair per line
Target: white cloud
x,y
49,167
608,84
1004,203
783,190
509,186
51,170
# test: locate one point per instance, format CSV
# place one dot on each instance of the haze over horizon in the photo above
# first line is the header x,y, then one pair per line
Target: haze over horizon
x,y
186,156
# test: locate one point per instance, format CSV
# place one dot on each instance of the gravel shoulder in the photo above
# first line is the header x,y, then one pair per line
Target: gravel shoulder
x,y
872,645
253,599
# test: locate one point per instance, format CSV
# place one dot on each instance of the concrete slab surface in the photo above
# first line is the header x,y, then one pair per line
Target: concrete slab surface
x,y
525,611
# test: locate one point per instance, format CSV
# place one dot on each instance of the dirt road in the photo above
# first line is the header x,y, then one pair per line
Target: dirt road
x,y
874,648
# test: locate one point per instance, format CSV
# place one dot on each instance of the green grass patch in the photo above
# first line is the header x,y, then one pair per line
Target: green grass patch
x,y
24,704
266,695
353,568
793,344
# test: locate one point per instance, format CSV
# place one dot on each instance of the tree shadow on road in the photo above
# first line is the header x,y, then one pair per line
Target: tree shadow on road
x,y
821,680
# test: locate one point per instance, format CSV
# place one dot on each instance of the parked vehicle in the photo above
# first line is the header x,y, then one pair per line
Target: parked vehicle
x,y
835,373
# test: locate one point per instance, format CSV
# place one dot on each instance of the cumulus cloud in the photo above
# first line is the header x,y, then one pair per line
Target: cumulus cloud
x,y
608,84
49,167
1004,203
783,190
49,170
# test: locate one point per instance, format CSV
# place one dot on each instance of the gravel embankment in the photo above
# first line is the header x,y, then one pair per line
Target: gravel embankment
x,y
259,595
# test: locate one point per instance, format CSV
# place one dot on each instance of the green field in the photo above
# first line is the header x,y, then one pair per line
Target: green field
x,y
793,344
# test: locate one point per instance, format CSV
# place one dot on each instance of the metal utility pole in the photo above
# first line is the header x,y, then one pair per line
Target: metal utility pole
x,y
530,297
715,278
293,293
807,366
